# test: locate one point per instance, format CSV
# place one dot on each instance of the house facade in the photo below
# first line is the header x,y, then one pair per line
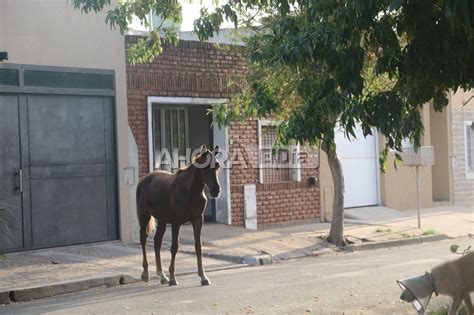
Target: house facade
x,y
77,121
168,101
64,166
461,149
448,181
80,125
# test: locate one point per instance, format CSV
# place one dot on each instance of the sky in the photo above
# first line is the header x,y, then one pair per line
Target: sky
x,y
190,13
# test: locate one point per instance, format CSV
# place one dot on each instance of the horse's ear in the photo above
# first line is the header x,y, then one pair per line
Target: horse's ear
x,y
216,150
204,148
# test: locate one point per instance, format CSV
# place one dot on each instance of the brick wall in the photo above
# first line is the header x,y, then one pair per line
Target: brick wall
x,y
276,202
463,187
195,69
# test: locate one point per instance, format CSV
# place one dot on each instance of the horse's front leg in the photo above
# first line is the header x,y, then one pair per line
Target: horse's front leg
x,y
158,240
174,250
197,225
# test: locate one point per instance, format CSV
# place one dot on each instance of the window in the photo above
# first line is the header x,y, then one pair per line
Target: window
x,y
56,79
170,137
469,149
276,164
9,77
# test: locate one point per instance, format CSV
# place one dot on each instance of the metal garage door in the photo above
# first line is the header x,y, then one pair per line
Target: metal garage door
x,y
57,171
359,164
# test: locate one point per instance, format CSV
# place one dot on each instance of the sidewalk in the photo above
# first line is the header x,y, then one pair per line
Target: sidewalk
x,y
71,268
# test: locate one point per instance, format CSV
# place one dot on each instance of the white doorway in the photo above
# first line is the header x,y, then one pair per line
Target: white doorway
x,y
360,167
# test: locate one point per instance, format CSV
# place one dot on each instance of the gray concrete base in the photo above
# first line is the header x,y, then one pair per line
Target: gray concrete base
x,y
257,260
5,298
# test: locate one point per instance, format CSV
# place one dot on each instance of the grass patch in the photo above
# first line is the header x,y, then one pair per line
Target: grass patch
x,y
379,230
405,234
429,232
443,310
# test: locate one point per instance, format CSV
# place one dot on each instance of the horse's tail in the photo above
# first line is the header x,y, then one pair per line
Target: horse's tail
x,y
141,188
151,226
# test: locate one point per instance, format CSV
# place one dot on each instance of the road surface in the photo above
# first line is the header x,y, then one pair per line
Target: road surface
x,y
358,283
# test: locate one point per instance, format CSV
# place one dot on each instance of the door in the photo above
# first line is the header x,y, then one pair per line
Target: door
x,y
57,170
71,163
10,190
359,164
179,131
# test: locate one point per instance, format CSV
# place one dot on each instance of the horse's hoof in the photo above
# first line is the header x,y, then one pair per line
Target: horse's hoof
x,y
145,276
205,282
172,282
163,278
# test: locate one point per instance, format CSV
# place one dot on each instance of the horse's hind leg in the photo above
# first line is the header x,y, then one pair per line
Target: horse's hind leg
x,y
197,225
144,218
174,250
158,240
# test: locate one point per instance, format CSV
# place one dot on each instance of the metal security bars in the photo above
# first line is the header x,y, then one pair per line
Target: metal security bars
x,y
274,162
170,137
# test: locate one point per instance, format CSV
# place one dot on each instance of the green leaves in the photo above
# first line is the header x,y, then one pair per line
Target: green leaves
x,y
87,6
459,11
315,64
145,49
395,5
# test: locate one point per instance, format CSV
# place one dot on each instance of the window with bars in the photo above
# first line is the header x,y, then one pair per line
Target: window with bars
x,y
170,137
276,163
470,148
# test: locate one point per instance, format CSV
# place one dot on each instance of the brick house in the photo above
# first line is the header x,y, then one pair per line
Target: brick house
x,y
167,105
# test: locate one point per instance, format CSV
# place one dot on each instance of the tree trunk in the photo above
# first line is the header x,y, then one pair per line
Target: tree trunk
x,y
336,234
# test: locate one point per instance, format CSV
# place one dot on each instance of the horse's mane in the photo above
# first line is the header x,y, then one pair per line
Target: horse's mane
x,y
183,168
187,167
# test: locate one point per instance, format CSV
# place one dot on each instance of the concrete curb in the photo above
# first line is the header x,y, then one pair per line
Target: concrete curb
x,y
28,294
395,243
224,257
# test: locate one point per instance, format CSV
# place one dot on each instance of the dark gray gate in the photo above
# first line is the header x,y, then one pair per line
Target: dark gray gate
x,y
58,174
10,195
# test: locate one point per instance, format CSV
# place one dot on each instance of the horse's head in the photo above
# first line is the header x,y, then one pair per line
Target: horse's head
x,y
208,167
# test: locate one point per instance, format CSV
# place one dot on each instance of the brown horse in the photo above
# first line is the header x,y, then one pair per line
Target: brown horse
x,y
176,199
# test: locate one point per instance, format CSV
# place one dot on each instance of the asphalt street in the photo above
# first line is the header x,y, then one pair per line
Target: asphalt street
x,y
356,283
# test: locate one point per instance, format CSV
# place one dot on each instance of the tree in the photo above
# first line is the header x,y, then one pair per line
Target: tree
x,y
318,64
